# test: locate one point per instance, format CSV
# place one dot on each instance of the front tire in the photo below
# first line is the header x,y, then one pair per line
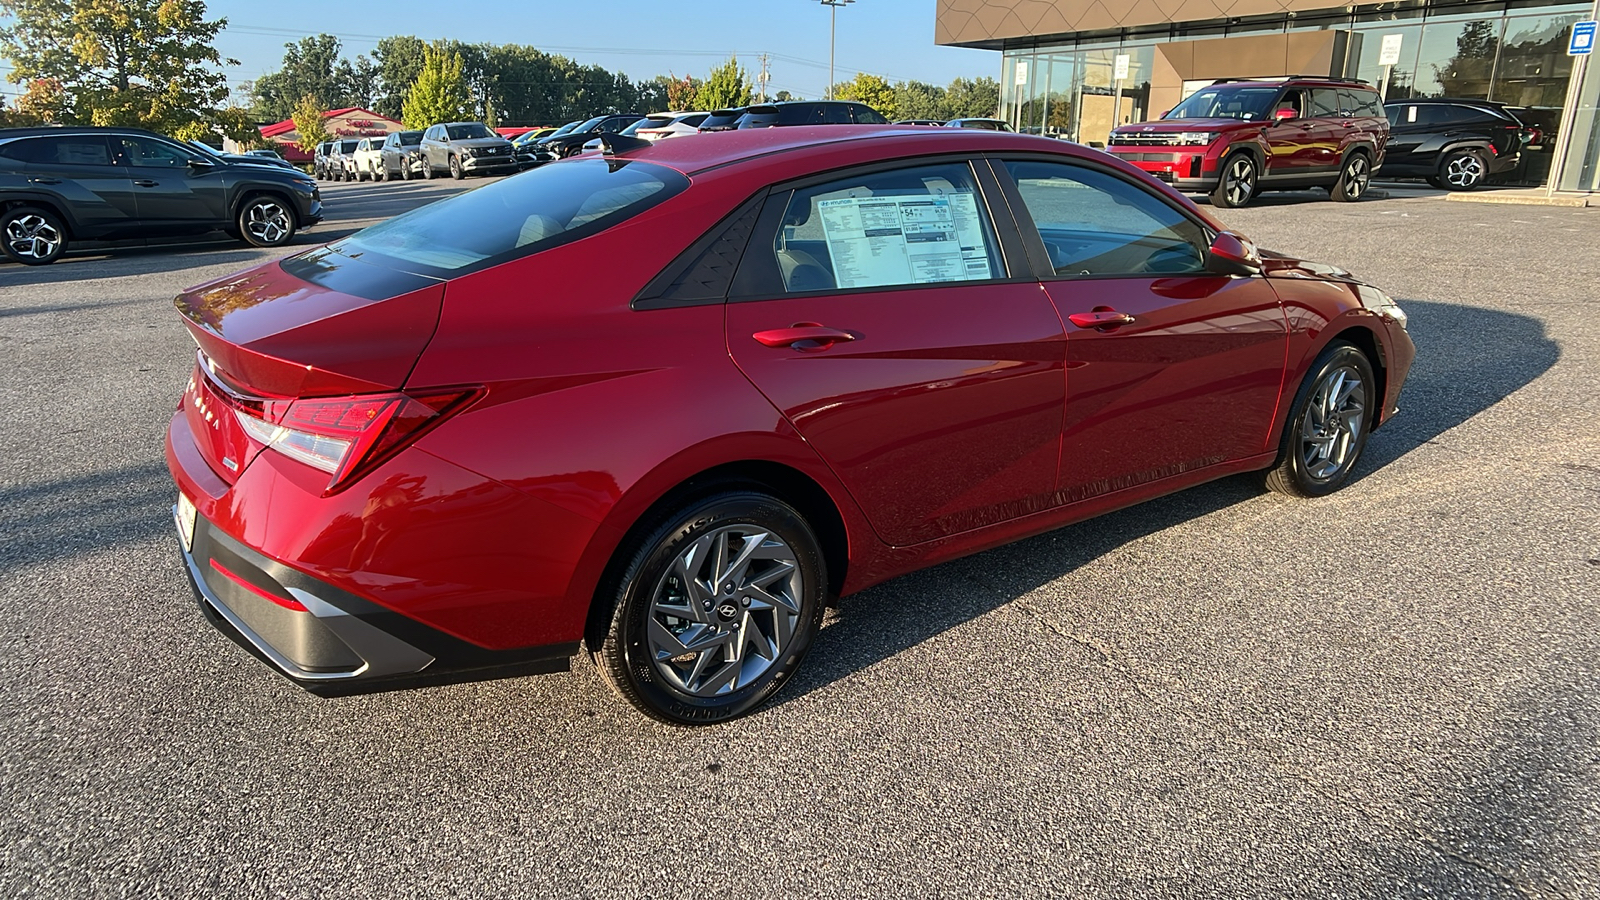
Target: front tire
x,y
456,171
1328,425
265,221
1239,182
427,169
1462,170
714,609
1354,178
32,236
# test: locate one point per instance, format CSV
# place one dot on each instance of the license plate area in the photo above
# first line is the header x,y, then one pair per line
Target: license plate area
x,y
185,515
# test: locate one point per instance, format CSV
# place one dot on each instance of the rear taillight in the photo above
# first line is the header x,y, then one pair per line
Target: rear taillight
x,y
347,436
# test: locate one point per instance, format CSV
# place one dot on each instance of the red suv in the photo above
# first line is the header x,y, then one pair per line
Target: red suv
x,y
1239,137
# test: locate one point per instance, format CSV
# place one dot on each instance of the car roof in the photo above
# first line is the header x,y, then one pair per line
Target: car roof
x,y
1454,101
696,153
48,130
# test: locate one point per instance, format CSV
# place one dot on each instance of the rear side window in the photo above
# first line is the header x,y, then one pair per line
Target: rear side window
x,y
515,217
1095,224
1325,103
60,151
869,116
913,226
1366,103
801,114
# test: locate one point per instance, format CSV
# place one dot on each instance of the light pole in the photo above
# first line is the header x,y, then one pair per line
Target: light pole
x,y
833,22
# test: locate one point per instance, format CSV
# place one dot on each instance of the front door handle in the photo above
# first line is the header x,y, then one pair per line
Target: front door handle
x,y
145,182
803,336
1107,318
44,181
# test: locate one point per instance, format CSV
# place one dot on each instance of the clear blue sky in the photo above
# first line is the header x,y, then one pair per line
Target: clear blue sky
x,y
644,38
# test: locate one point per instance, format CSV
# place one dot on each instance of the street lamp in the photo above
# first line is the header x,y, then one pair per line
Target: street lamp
x,y
833,21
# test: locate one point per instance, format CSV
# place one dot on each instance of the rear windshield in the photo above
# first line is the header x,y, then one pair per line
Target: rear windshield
x,y
722,118
514,217
467,131
1225,103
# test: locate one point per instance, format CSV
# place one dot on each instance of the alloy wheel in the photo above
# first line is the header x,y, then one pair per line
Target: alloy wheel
x,y
32,236
267,221
1334,421
1357,175
1464,171
725,611
1240,181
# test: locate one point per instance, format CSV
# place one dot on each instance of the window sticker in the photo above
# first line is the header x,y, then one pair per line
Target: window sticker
x,y
1411,114
918,239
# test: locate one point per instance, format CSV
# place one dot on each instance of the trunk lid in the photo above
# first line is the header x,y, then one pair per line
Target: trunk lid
x,y
317,325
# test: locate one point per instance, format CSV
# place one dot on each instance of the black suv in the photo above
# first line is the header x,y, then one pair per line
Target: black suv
x,y
1455,144
59,185
810,112
558,146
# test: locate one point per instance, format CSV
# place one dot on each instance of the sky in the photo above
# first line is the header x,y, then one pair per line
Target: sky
x,y
644,38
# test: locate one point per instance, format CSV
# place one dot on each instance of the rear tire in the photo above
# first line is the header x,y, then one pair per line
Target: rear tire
x,y
714,610
32,236
1355,176
1328,424
1238,182
1462,170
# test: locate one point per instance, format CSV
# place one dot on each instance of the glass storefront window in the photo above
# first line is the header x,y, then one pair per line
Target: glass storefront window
x,y
1456,59
1534,65
1366,46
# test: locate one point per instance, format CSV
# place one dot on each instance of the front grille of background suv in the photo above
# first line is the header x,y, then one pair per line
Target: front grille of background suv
x,y
1145,140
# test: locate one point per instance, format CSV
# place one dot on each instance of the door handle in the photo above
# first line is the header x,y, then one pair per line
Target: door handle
x,y
145,182
803,336
1100,319
44,181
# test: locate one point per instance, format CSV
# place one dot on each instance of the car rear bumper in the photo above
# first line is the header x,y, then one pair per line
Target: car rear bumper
x,y
343,594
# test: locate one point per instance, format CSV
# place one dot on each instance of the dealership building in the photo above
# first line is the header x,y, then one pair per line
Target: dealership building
x,y
1060,60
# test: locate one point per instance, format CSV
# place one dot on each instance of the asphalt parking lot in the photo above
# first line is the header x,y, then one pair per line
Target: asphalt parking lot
x,y
1391,692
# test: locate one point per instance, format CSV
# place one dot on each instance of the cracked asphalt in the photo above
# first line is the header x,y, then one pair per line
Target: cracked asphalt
x,y
1390,692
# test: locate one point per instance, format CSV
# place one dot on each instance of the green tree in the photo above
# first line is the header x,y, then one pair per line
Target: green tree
x,y
968,98
399,61
313,66
868,89
148,63
726,87
918,100
310,119
440,92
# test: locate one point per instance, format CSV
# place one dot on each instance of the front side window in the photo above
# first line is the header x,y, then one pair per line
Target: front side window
x,y
838,114
912,226
1223,102
150,154
1094,224
515,217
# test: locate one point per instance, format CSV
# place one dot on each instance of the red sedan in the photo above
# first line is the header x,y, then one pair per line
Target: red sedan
x,y
663,403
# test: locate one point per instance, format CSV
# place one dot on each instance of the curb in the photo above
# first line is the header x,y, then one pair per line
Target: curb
x,y
1571,201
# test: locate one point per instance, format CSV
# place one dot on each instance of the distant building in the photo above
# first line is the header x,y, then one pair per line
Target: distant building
x,y
1060,59
350,122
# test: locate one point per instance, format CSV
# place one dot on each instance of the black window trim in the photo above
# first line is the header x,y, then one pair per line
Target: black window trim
x,y
652,296
24,140
1040,258
1008,240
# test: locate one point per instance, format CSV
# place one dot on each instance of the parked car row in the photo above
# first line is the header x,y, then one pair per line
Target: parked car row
x,y
63,185
1239,137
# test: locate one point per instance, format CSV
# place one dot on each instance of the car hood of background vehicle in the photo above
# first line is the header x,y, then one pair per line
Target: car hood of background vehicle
x,y
317,324
480,142
1170,125
1279,265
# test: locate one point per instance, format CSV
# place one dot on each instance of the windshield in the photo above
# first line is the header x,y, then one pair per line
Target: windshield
x,y
467,131
565,129
348,146
647,122
1225,103
590,125
543,208
410,138
206,148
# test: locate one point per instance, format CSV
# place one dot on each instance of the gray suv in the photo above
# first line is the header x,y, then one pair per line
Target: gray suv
x,y
465,148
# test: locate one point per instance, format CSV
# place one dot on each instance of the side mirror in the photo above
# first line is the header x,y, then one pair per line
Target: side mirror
x,y
1232,254
201,164
1285,114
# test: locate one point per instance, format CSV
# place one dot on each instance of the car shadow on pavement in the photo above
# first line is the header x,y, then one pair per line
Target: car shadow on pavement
x,y
1468,359
85,513
117,262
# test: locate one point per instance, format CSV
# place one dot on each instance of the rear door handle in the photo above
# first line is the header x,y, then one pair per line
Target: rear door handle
x,y
145,182
44,181
1100,319
803,336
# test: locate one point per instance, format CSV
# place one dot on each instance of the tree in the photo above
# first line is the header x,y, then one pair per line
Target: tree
x,y
725,88
868,89
1467,73
310,123
918,100
682,93
968,98
785,97
440,92
313,66
399,62
148,63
